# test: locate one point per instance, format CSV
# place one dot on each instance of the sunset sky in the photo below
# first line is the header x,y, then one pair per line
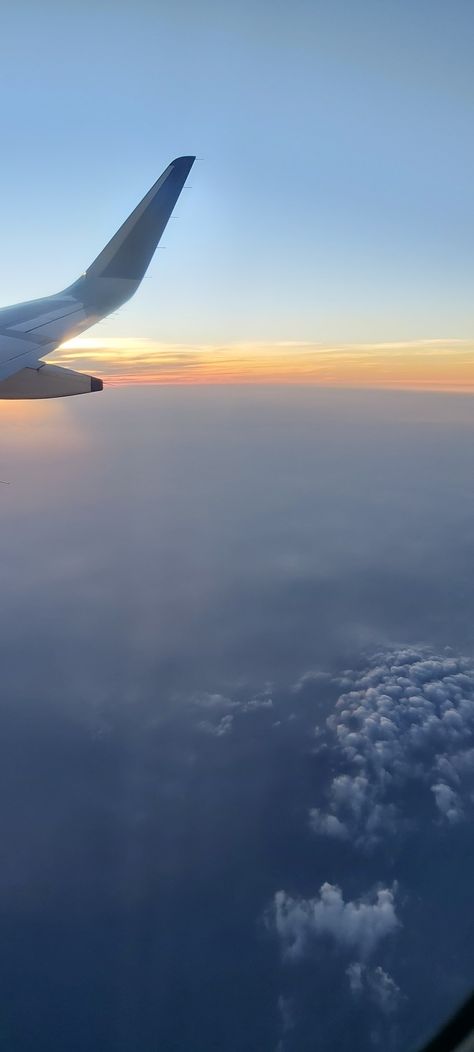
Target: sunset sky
x,y
236,615
327,235
419,364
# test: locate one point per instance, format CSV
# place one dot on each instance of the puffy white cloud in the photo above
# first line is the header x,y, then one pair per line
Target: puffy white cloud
x,y
447,802
407,718
214,701
260,701
357,924
310,678
224,726
374,983
355,973
219,711
328,824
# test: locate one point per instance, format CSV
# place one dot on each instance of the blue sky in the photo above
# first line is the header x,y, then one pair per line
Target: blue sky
x,y
199,575
335,196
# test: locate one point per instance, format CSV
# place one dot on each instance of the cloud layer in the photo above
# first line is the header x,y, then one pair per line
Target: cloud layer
x,y
374,983
357,924
406,720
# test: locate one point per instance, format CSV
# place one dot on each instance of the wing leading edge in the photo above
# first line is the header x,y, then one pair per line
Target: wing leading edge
x,y
30,331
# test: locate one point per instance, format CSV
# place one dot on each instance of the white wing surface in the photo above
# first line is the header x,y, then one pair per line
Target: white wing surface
x,y
30,331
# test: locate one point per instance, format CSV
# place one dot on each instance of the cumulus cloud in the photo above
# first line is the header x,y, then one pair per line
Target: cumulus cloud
x,y
374,983
219,711
328,824
214,701
308,679
261,701
447,802
356,924
407,718
219,729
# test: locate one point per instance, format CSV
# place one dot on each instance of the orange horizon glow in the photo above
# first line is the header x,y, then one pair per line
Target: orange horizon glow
x,y
432,364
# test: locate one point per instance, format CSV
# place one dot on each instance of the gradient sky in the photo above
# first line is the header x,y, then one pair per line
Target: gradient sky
x,y
334,202
192,576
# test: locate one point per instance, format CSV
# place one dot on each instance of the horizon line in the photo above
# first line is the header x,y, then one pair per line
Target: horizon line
x,y
429,363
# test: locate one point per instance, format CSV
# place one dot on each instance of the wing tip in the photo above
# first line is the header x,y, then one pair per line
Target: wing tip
x,y
129,251
186,161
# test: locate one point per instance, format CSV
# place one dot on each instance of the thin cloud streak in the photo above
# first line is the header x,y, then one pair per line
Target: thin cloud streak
x,y
431,364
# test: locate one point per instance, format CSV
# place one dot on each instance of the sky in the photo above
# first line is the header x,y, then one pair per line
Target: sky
x,y
332,200
236,613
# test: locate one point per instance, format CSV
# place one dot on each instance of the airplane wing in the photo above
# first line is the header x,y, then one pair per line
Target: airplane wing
x,y
457,1035
29,331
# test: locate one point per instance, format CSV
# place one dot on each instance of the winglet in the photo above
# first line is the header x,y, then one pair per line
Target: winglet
x,y
129,252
